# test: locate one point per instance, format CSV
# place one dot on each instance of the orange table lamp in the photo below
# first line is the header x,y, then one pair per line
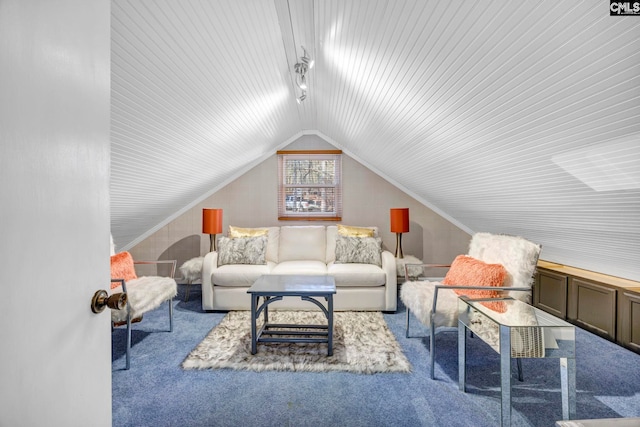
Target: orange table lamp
x,y
399,225
212,225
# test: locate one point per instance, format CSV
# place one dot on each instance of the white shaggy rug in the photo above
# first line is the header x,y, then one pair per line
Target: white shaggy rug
x,y
362,343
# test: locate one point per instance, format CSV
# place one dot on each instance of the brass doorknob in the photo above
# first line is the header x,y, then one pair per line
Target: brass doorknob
x,y
102,299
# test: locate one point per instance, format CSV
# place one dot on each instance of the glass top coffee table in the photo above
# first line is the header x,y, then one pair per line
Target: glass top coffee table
x,y
274,288
515,329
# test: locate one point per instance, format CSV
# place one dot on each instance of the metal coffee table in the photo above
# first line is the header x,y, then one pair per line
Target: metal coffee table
x,y
273,288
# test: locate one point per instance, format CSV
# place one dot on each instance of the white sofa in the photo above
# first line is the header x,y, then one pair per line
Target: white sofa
x,y
302,250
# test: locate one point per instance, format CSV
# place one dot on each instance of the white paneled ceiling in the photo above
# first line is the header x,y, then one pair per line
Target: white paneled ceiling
x,y
510,117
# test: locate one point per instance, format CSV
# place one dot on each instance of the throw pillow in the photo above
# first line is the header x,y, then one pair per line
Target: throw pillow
x,y
469,271
235,232
348,230
242,250
361,250
122,268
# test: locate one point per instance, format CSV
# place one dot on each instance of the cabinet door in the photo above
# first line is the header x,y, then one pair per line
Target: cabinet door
x,y
629,320
593,307
550,293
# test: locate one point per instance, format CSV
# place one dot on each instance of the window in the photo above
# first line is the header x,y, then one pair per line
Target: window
x,y
310,185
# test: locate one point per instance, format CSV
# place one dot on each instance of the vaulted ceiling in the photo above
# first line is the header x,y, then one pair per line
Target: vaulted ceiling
x,y
508,117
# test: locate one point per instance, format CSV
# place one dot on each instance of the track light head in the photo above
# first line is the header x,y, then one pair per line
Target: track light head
x,y
302,84
301,68
306,59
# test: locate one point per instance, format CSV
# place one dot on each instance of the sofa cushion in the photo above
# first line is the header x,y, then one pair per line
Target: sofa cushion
x,y
302,243
242,250
273,242
364,250
332,235
300,267
240,275
357,274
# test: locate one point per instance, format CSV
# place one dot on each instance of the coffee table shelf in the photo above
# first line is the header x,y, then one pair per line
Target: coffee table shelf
x,y
309,288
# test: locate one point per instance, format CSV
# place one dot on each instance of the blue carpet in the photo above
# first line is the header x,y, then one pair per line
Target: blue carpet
x,y
157,392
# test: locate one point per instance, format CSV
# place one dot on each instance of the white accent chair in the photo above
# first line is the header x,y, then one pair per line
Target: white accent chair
x,y
436,304
144,294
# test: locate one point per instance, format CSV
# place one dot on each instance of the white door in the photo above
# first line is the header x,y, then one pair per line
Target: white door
x,y
55,358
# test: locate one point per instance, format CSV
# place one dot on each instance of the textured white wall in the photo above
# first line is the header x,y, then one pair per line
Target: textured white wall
x,y
250,201
55,359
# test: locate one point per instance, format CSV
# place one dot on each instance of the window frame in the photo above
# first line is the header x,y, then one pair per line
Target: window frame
x,y
283,156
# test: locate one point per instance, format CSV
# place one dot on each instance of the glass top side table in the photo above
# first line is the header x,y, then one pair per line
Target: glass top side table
x,y
515,329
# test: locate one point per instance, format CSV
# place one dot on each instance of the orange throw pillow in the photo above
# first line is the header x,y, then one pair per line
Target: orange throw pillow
x,y
122,268
469,271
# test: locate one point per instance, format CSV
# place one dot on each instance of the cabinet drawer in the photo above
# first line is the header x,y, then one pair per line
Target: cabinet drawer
x,y
550,293
629,320
593,307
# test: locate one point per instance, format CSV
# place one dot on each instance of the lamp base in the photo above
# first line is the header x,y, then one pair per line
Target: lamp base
x,y
213,246
398,253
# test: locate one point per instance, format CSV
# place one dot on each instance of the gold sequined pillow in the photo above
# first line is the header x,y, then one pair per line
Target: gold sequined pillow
x,y
238,232
350,231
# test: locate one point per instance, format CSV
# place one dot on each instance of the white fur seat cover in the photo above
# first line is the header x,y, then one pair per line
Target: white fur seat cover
x,y
240,275
418,297
145,294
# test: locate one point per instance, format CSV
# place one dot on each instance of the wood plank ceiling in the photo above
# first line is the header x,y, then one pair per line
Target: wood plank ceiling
x,y
508,117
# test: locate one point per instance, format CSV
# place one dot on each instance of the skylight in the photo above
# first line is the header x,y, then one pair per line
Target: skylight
x,y
605,167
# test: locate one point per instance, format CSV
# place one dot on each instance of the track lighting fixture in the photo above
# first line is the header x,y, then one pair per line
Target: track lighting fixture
x,y
301,68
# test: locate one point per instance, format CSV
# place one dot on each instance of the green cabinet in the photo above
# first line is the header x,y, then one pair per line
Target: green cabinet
x,y
550,293
592,306
629,318
604,305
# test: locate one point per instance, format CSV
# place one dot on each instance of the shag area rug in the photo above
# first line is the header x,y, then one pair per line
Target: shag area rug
x,y
362,343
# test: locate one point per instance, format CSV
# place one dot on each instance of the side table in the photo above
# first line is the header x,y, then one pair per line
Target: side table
x,y
519,330
408,260
191,271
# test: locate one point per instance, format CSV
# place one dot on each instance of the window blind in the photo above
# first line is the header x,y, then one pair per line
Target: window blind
x,y
310,185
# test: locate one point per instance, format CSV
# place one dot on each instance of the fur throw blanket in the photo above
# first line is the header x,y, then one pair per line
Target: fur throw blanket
x,y
145,294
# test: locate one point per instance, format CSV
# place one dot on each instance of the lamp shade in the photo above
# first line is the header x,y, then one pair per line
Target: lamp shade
x,y
212,221
399,220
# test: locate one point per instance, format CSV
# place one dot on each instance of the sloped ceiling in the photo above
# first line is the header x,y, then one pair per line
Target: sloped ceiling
x,y
508,117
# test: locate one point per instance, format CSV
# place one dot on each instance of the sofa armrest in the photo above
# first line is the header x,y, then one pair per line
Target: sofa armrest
x,y
209,264
391,282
